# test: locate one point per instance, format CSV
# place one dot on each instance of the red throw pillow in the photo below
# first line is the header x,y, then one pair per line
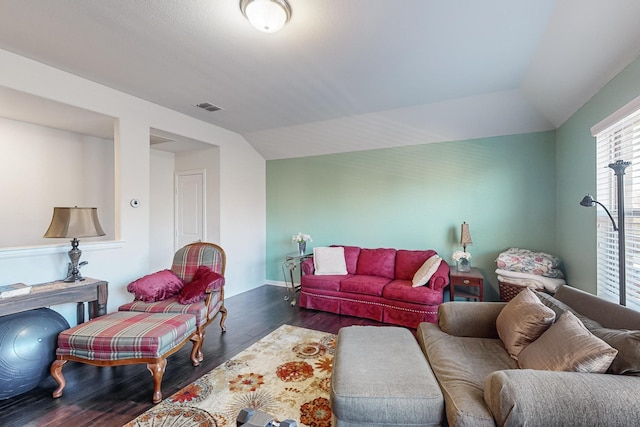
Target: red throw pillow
x,y
156,286
377,262
204,279
350,257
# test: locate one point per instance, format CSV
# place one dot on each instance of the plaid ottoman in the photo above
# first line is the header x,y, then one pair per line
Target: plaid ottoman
x,y
124,338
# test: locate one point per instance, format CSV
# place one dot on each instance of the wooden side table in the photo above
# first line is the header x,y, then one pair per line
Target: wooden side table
x,y
94,291
470,284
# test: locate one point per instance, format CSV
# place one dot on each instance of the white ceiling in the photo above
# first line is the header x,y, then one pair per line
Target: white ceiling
x,y
342,75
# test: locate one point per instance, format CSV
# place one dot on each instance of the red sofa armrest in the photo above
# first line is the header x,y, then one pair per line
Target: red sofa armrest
x,y
440,278
307,266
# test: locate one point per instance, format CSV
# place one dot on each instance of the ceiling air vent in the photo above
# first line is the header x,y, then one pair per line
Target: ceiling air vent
x,y
208,106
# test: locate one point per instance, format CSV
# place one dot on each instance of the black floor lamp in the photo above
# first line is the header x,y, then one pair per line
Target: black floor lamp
x,y
618,168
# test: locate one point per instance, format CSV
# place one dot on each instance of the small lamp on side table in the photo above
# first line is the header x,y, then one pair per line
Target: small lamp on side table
x,y
463,258
74,222
465,236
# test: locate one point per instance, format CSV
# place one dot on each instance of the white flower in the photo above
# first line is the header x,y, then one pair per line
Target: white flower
x,y
458,255
299,238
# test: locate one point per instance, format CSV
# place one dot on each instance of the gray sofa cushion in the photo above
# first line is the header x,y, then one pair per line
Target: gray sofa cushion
x,y
461,365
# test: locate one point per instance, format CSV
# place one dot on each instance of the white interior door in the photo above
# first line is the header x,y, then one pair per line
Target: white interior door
x,y
190,208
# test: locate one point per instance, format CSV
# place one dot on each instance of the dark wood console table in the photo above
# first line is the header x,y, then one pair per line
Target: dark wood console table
x,y
53,293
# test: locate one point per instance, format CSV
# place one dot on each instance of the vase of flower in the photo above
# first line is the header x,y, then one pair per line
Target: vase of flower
x,y
301,240
463,261
463,265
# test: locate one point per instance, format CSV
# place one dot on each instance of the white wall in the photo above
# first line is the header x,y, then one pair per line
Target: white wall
x,y
42,167
161,202
242,187
239,169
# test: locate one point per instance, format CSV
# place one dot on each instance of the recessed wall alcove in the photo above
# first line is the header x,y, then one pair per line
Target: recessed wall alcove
x,y
53,154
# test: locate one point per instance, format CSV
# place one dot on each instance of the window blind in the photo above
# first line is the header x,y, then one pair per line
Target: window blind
x,y
619,141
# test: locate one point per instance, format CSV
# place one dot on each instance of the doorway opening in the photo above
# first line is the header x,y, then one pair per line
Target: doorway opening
x,y
174,160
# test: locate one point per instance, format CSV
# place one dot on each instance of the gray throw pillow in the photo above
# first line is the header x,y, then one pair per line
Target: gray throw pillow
x,y
627,343
557,306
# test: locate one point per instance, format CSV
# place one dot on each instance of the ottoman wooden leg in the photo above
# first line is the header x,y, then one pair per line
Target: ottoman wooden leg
x,y
56,373
157,371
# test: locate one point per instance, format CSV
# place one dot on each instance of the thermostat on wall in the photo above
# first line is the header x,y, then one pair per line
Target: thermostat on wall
x,y
135,203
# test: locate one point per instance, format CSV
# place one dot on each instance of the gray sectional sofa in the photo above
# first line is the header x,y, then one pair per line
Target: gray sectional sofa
x,y
381,376
483,386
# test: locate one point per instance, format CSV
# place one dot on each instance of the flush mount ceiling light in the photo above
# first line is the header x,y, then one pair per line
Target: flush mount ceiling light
x,y
266,15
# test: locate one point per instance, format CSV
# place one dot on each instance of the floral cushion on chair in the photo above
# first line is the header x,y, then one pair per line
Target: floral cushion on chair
x,y
156,286
203,279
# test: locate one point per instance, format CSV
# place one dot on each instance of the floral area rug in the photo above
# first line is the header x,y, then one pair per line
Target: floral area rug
x,y
286,374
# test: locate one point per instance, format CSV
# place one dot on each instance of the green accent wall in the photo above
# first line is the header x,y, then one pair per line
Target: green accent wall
x,y
416,197
576,171
517,190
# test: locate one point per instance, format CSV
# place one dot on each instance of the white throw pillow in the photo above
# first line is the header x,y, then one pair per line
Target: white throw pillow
x,y
328,261
425,272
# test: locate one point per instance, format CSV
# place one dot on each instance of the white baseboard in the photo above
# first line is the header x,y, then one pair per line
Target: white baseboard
x,y
276,283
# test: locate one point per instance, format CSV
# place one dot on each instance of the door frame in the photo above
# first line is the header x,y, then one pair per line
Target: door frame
x,y
177,175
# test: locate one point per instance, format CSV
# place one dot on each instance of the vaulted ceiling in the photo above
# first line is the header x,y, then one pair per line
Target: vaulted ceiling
x,y
342,75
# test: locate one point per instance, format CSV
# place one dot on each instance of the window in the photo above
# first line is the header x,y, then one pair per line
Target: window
x,y
618,138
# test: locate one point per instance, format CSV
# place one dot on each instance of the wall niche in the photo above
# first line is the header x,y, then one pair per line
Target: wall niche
x,y
53,154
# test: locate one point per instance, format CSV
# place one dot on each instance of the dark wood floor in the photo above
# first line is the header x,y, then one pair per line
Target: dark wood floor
x,y
113,396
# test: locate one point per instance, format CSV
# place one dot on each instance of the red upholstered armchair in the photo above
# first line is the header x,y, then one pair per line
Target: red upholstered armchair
x,y
156,293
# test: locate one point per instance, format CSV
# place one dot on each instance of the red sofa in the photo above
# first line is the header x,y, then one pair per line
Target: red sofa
x,y
378,286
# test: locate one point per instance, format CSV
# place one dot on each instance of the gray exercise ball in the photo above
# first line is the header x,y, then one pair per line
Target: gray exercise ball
x,y
28,343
